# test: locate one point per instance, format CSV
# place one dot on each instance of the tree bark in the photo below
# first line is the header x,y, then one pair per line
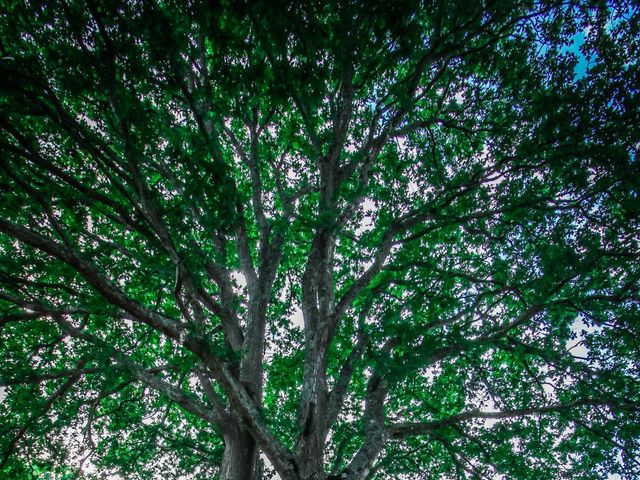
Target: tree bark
x,y
240,460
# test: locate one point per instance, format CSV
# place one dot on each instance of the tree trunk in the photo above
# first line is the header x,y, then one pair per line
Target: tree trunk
x,y
240,460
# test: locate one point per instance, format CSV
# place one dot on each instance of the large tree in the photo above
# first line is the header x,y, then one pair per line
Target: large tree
x,y
327,239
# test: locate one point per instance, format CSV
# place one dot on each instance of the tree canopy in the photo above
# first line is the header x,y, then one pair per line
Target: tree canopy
x,y
319,239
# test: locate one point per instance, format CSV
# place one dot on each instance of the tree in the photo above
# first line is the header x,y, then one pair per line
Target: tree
x,y
323,239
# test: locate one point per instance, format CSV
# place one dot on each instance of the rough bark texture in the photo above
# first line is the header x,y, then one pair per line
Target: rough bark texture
x,y
241,457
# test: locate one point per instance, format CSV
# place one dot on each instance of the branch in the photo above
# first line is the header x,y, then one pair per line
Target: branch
x,y
337,395
365,279
34,379
147,376
223,420
22,431
277,453
122,215
34,314
273,448
375,433
341,123
401,430
105,287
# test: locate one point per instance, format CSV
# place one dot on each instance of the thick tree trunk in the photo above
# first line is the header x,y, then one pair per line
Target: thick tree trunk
x,y
240,460
310,448
311,467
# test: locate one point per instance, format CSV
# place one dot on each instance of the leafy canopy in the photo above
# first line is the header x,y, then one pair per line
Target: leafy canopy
x,y
369,239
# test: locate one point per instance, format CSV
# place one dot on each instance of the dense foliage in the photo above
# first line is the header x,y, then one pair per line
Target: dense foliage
x,y
331,239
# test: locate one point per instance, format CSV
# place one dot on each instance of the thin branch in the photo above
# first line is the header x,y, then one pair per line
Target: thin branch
x,y
107,288
401,430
